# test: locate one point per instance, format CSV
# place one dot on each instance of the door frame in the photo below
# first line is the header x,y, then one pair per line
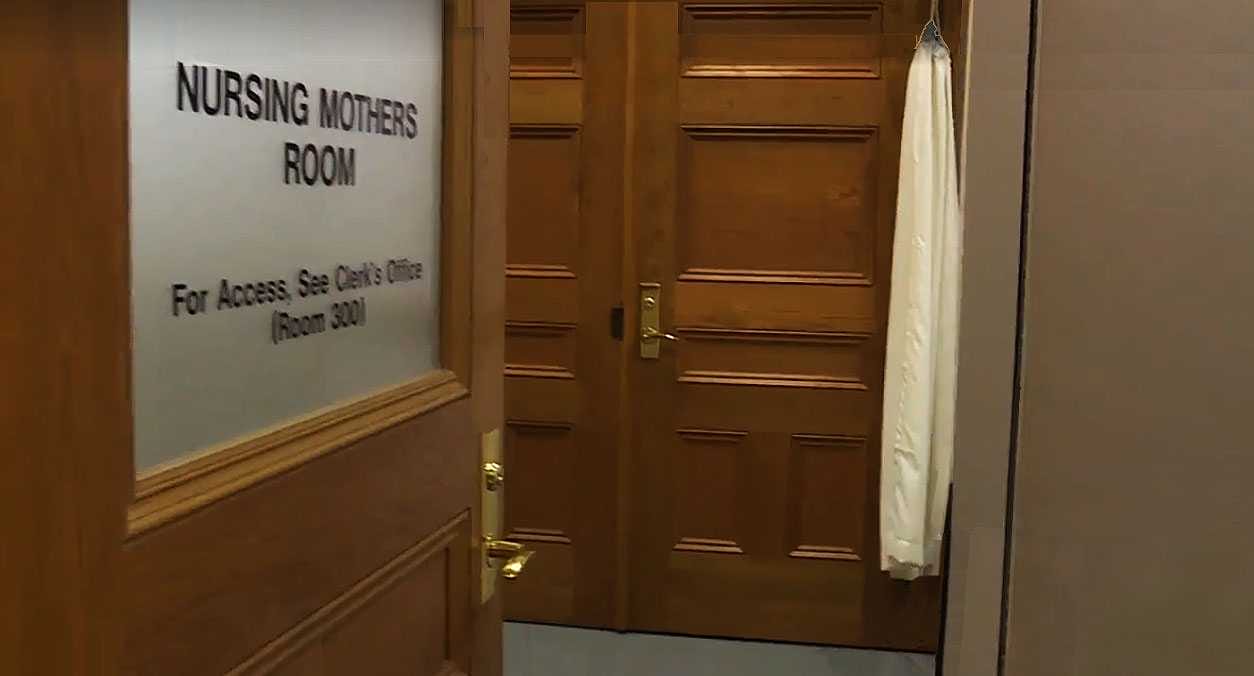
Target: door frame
x,y
990,85
993,89
73,503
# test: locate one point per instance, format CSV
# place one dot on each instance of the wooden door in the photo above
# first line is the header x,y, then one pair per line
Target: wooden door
x,y
765,153
343,542
563,280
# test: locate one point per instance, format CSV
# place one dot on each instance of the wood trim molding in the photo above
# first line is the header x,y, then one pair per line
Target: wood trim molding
x,y
780,131
539,271
539,424
537,328
858,11
854,71
170,492
812,277
529,130
746,378
546,535
708,546
323,621
824,553
544,12
537,371
458,194
714,436
774,336
848,442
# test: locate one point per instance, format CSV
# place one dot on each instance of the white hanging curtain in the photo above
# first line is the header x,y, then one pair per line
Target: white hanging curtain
x,y
921,359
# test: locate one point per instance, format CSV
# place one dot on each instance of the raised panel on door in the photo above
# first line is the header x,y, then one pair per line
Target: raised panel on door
x,y
299,554
766,144
404,618
563,278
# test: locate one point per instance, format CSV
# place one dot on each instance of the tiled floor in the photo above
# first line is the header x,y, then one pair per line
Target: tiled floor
x,y
539,650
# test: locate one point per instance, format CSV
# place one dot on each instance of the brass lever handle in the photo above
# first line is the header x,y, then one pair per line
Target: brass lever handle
x,y
516,556
493,475
650,333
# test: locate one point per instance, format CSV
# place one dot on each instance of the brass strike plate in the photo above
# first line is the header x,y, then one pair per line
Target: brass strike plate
x,y
650,319
491,506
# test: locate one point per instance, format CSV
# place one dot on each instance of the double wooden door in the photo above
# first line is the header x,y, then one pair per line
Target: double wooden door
x,y
731,166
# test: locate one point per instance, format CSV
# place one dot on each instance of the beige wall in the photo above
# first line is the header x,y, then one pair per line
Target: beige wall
x,y
1133,517
997,84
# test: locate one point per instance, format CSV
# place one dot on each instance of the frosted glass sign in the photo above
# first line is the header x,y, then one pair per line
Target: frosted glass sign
x,y
285,210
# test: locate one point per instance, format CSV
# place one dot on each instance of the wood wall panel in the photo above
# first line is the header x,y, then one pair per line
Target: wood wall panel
x,y
788,39
704,600
177,490
544,223
828,497
199,576
815,410
805,307
533,399
541,512
540,504
404,619
791,202
546,40
538,296
404,632
711,490
778,101
803,359
540,347
545,101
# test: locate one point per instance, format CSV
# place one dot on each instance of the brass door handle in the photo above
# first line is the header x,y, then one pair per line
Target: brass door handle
x,y
493,475
650,333
516,556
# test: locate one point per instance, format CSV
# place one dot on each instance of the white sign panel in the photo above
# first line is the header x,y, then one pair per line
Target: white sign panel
x,y
285,210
